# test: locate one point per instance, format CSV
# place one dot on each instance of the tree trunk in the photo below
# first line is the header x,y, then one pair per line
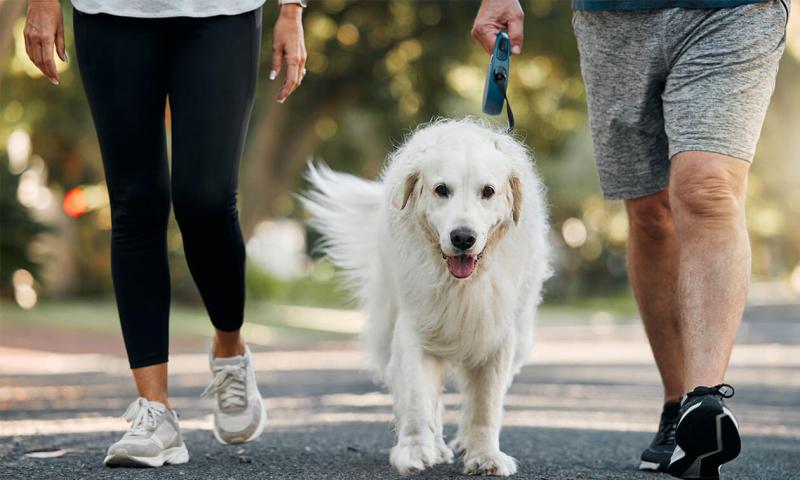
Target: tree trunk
x,y
277,155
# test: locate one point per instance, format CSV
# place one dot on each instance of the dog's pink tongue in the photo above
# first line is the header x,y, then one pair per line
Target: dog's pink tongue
x,y
461,266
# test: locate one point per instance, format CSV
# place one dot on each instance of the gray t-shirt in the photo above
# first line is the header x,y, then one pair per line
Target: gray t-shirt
x,y
166,8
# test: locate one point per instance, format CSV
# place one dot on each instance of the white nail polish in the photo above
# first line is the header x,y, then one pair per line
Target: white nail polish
x,y
53,81
281,101
273,74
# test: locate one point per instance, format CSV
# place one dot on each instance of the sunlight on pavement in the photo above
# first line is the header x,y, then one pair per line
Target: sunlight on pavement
x,y
608,420
323,319
14,361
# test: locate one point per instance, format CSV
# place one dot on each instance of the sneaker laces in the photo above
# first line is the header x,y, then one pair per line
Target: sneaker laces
x,y
723,390
143,416
667,428
229,383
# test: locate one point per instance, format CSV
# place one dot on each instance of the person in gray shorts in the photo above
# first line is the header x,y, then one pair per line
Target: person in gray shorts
x,y
677,93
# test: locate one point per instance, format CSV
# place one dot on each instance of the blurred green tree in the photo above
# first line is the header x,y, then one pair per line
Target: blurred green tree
x,y
18,229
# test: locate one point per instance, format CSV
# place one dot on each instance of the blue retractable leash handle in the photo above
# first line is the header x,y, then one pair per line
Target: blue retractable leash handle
x,y
494,93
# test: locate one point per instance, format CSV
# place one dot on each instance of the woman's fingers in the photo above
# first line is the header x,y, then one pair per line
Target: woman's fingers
x,y
44,30
295,71
28,49
36,54
48,63
289,48
301,70
61,46
277,58
293,74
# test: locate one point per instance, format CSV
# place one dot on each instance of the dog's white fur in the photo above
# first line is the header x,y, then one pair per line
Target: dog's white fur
x,y
390,236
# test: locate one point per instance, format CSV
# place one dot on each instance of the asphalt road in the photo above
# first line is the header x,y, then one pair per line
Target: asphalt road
x,y
583,409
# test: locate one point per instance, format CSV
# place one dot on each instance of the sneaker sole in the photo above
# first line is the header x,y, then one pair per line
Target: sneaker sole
x,y
257,433
709,440
651,466
170,456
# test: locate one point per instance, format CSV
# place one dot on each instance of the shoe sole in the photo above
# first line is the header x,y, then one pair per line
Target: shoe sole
x,y
257,433
651,466
709,440
170,456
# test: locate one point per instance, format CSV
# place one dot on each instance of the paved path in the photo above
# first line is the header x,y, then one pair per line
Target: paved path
x,y
583,409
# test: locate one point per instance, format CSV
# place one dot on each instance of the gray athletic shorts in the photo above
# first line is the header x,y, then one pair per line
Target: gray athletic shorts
x,y
665,81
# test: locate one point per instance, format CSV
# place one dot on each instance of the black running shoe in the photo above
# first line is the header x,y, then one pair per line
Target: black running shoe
x,y
657,456
707,434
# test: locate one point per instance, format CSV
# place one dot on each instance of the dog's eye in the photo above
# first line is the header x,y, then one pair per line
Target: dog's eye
x,y
441,190
488,191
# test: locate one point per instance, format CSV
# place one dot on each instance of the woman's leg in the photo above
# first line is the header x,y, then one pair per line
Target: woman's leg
x,y
211,94
123,64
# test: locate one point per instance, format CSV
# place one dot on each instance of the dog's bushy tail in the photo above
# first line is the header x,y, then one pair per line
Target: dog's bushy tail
x,y
345,209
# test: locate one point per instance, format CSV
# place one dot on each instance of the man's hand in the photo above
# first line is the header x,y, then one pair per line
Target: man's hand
x,y
495,16
288,44
44,27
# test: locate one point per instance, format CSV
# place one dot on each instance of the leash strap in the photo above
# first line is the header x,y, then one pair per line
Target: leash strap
x,y
508,111
499,78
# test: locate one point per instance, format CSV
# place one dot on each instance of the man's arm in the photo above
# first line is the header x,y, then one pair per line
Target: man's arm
x,y
495,16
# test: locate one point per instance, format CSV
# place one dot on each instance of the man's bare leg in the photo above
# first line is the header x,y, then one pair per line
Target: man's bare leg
x,y
707,196
653,273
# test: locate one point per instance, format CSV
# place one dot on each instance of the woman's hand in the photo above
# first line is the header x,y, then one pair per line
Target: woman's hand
x,y
288,44
44,27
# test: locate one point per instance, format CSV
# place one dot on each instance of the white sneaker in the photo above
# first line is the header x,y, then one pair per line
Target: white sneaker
x,y
239,413
153,440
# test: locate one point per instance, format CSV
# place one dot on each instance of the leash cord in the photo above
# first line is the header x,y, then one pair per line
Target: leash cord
x,y
499,78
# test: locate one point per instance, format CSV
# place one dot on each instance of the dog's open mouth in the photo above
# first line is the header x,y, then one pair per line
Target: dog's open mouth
x,y
461,266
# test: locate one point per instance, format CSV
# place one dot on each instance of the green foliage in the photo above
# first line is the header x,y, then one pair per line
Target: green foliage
x,y
320,288
17,229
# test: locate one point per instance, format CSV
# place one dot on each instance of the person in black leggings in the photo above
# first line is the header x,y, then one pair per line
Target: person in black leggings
x,y
130,69
205,67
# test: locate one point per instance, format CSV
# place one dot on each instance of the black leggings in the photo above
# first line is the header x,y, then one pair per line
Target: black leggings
x,y
208,69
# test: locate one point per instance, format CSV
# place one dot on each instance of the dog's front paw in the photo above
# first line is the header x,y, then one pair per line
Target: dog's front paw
x,y
458,445
490,463
445,455
412,456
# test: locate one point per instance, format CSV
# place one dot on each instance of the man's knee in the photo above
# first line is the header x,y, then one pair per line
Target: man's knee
x,y
707,186
650,216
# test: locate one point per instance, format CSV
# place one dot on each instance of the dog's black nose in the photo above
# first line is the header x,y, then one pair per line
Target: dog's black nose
x,y
462,238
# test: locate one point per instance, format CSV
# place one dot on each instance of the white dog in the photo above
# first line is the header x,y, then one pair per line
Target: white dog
x,y
447,253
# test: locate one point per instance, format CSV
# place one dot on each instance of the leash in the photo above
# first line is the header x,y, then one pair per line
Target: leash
x,y
500,79
495,93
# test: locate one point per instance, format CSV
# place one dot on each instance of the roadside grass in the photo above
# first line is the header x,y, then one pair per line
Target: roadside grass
x,y
99,315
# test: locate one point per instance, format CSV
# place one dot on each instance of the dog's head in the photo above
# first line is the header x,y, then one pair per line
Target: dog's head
x,y
463,185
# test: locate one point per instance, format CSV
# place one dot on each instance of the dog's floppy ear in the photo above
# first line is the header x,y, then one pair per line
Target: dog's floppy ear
x,y
516,197
408,188
401,194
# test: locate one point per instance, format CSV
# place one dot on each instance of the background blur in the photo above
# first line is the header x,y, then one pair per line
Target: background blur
x,y
375,71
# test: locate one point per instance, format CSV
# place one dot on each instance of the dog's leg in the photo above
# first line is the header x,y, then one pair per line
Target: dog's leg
x,y
484,389
415,379
445,454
